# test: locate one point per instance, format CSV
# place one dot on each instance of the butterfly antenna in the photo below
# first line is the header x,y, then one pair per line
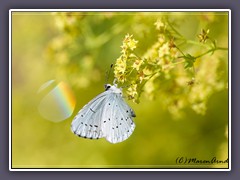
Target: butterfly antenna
x,y
108,74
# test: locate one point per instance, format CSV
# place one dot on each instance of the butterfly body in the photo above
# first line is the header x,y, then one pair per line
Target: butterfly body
x,y
106,116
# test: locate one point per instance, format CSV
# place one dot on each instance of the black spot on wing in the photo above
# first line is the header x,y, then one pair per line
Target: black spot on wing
x,y
133,113
92,110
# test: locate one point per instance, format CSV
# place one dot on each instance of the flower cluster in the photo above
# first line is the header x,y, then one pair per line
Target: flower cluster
x,y
180,79
121,69
137,71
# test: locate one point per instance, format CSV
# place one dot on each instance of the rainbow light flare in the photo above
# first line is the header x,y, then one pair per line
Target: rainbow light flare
x,y
58,104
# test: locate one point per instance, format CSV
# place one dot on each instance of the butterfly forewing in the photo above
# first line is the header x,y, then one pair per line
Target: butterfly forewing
x,y
87,123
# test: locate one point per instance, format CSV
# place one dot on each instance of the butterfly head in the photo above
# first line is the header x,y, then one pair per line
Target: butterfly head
x,y
107,86
113,88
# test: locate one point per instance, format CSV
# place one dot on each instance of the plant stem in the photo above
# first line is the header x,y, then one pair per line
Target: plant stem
x,y
211,50
180,51
170,25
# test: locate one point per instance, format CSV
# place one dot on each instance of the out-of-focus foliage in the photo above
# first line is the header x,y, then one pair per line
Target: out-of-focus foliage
x,y
174,67
163,61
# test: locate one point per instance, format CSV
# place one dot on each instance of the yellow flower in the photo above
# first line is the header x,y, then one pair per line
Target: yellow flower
x,y
129,42
136,65
203,36
161,39
120,66
119,69
141,76
121,78
164,50
132,91
160,25
174,53
132,44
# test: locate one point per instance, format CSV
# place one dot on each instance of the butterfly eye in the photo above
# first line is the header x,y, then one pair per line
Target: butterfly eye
x,y
107,86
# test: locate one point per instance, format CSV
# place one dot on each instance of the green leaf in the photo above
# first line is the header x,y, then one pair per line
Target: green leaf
x,y
189,61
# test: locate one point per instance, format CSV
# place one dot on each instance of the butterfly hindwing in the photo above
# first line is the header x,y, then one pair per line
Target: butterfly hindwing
x,y
117,119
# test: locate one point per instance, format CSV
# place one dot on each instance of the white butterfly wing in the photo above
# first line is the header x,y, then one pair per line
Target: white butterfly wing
x,y
117,117
87,123
107,115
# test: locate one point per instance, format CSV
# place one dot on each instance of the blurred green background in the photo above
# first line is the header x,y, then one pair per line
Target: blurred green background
x,y
78,49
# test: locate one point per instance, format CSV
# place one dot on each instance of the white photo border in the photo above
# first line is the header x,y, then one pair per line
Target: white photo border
x,y
119,10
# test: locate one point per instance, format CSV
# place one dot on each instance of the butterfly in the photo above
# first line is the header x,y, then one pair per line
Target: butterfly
x,y
106,116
